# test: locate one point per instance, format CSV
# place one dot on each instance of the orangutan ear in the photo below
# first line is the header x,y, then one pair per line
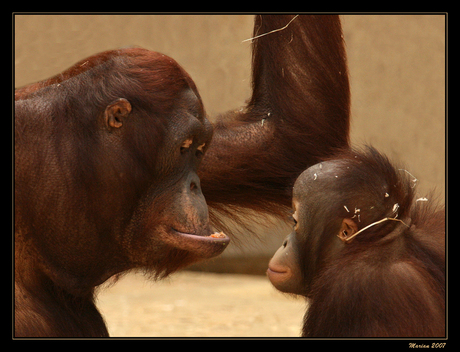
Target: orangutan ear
x,y
347,229
116,112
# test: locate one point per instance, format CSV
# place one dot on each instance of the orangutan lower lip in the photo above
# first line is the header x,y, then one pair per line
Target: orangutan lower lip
x,y
214,236
276,276
207,246
274,269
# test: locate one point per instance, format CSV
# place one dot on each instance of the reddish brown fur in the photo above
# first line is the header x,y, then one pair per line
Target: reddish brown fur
x,y
87,199
297,116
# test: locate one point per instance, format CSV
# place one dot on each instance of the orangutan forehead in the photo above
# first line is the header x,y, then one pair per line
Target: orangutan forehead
x,y
318,173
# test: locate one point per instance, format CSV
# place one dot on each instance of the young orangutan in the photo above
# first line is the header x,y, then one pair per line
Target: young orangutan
x,y
367,253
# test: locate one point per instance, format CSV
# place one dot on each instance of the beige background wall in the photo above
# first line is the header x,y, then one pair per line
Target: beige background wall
x,y
396,63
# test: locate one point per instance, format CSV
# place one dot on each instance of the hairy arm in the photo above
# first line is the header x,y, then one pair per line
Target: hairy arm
x,y
297,116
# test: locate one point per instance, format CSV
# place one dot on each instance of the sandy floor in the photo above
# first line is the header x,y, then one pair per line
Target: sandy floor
x,y
196,304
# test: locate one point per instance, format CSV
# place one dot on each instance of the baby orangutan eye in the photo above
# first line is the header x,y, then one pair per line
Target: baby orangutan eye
x,y
293,220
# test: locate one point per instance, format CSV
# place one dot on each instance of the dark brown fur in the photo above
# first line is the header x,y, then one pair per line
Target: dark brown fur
x,y
390,279
298,115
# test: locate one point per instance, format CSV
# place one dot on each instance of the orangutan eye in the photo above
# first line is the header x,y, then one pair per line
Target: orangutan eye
x,y
200,150
201,147
285,243
186,145
293,220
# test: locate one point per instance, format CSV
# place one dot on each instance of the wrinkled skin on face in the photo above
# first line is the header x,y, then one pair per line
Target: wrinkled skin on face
x,y
180,220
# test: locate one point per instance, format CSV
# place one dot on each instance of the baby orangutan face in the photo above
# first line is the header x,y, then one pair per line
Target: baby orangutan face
x,y
316,237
